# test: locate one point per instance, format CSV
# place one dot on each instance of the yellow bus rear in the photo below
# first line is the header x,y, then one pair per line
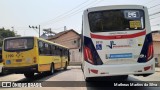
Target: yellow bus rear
x,y
29,55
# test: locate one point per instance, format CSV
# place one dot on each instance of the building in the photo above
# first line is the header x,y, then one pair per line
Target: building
x,y
70,39
44,36
156,45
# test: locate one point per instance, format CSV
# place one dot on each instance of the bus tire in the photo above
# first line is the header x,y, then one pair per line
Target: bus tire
x,y
87,79
124,77
65,67
51,72
29,75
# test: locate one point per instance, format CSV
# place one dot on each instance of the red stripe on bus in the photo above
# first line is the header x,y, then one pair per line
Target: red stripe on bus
x,y
118,36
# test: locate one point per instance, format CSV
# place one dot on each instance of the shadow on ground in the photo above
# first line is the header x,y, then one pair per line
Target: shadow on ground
x,y
42,76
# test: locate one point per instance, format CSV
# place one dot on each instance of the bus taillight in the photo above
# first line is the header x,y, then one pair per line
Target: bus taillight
x,y
34,59
150,52
88,55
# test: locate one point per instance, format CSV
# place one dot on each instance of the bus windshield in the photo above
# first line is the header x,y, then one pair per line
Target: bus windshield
x,y
18,44
116,20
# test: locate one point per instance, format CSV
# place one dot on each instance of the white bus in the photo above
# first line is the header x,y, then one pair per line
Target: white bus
x,y
117,41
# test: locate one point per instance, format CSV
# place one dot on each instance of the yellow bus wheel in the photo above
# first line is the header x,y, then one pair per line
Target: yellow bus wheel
x,y
52,69
29,75
65,67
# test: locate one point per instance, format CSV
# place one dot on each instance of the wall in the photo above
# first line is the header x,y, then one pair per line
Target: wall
x,y
75,56
69,39
156,45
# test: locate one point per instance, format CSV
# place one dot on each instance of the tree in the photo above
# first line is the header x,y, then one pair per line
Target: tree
x,y
4,34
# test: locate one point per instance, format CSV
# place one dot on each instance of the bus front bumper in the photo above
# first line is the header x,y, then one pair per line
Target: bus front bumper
x,y
22,69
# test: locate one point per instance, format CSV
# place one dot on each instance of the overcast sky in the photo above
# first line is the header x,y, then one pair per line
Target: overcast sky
x,y
56,14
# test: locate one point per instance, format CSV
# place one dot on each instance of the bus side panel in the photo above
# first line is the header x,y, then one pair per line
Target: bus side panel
x,y
57,61
65,58
44,63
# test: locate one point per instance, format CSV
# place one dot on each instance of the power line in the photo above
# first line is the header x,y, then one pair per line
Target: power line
x,y
76,12
67,11
58,28
149,2
60,19
153,6
154,17
155,25
154,13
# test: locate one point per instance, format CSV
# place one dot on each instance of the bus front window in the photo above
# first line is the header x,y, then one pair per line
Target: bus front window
x,y
18,44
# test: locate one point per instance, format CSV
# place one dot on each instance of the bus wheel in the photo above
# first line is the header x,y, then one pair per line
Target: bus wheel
x,y
29,75
65,67
124,77
88,79
51,69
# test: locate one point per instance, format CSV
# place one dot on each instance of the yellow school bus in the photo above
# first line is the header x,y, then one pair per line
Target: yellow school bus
x,y
30,55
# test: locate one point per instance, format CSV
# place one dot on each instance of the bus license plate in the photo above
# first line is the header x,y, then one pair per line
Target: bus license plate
x,y
19,60
8,61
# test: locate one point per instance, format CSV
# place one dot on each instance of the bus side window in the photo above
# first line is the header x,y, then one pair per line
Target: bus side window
x,y
66,52
59,51
49,49
46,49
55,51
63,52
41,47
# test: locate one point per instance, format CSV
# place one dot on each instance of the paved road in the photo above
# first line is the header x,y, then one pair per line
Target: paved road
x,y
74,73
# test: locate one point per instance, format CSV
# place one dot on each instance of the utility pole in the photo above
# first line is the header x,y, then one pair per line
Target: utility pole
x,y
39,30
35,27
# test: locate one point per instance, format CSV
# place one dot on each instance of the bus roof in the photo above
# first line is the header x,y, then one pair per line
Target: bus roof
x,y
39,39
116,7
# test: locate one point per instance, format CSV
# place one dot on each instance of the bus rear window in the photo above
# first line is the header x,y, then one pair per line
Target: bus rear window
x,y
116,20
18,44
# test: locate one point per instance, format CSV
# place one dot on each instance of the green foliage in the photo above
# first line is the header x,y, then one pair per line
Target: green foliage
x,y
4,34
